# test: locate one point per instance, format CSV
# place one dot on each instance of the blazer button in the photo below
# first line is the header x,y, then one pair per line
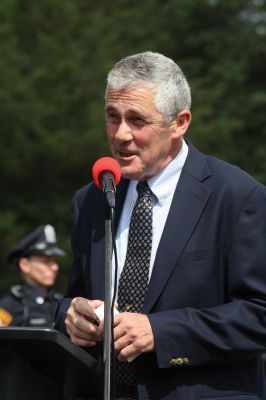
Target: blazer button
x,y
185,361
177,361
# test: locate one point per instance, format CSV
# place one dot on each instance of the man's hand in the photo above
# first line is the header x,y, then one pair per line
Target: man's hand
x,y
81,322
132,335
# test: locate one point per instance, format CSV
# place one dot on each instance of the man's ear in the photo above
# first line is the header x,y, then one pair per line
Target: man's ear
x,y
24,264
183,120
181,123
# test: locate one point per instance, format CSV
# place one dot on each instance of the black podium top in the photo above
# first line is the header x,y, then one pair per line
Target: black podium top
x,y
56,356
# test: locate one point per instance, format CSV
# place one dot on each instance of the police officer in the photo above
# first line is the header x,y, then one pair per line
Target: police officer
x,y
33,303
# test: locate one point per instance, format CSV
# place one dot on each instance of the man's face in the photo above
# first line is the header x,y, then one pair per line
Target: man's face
x,y
141,141
39,270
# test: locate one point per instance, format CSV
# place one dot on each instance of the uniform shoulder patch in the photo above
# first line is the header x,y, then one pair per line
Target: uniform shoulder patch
x,y
5,317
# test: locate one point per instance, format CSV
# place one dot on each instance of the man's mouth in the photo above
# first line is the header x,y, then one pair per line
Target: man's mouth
x,y
125,156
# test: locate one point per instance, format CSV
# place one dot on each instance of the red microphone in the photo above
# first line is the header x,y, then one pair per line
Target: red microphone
x,y
106,173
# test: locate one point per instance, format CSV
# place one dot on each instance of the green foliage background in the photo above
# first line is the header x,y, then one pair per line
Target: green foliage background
x,y
54,59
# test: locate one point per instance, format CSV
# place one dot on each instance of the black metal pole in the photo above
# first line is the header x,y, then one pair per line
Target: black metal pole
x,y
108,303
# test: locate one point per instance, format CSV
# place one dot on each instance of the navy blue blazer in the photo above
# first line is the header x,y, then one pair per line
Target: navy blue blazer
x,y
206,300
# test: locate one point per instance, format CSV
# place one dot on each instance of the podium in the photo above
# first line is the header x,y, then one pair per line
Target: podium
x,y
43,364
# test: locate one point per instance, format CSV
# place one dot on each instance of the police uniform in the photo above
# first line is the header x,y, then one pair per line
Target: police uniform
x,y
27,305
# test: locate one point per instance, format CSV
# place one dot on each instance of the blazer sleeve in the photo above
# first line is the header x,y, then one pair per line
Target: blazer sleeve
x,y
235,330
76,286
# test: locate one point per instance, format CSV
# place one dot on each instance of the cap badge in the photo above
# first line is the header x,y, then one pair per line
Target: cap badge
x,y
49,233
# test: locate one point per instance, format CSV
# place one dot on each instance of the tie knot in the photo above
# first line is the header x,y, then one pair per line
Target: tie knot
x,y
143,188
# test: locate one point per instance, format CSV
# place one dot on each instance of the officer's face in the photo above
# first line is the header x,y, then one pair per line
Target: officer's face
x,y
39,270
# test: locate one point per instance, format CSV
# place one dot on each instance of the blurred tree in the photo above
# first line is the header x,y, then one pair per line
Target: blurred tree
x,y
53,65
55,56
221,46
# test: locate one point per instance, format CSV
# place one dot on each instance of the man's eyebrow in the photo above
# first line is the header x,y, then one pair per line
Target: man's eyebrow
x,y
134,112
130,112
110,108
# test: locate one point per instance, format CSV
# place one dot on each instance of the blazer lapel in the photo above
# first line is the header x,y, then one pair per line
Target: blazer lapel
x,y
189,200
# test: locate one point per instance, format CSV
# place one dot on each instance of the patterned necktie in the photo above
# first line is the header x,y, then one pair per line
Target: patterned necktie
x,y
134,279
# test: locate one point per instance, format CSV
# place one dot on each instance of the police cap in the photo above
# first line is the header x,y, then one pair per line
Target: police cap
x,y
41,241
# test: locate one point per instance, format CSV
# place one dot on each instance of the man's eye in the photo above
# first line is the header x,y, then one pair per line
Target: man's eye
x,y
137,121
112,118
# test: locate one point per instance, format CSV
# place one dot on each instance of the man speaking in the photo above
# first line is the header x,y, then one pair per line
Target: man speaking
x,y
191,254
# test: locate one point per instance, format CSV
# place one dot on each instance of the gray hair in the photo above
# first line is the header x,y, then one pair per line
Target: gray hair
x,y
153,69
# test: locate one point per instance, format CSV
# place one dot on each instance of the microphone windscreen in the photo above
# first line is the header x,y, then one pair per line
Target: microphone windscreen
x,y
106,164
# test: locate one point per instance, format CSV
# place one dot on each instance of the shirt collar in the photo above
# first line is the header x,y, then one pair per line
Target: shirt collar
x,y
163,184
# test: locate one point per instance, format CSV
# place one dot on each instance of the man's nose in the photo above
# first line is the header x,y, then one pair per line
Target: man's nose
x,y
123,132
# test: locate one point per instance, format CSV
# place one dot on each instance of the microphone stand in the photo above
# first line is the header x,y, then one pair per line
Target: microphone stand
x,y
110,205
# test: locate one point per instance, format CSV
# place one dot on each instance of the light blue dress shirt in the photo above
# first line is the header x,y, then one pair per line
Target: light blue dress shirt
x,y
163,186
